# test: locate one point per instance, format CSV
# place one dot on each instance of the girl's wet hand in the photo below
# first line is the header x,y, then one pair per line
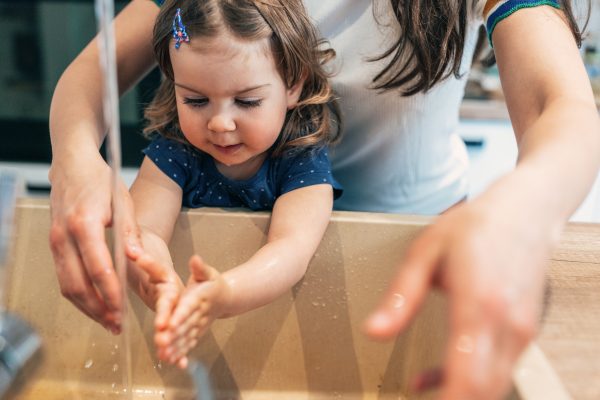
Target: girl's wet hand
x,y
491,266
202,301
161,291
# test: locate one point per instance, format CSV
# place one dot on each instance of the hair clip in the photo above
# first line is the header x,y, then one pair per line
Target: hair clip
x,y
179,33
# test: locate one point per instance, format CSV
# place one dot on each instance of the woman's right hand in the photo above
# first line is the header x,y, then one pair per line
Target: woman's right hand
x,y
81,205
81,181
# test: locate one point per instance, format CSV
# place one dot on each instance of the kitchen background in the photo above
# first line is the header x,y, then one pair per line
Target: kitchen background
x,y
40,38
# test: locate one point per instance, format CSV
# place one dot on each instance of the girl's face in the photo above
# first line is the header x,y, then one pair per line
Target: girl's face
x,y
231,100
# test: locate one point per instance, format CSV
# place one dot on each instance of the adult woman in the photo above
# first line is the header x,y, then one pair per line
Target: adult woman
x,y
399,155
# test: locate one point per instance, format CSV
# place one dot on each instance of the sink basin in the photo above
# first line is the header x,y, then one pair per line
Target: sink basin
x,y
306,345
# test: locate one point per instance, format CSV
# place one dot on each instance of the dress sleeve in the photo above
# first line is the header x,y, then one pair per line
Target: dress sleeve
x,y
495,11
308,169
171,157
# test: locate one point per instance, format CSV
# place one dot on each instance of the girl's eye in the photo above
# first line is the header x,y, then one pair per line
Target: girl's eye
x,y
248,103
195,102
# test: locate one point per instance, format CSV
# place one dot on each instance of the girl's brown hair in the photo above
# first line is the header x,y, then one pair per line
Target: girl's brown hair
x,y
430,46
297,51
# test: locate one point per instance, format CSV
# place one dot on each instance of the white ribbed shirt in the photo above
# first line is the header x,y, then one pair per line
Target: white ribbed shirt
x,y
398,154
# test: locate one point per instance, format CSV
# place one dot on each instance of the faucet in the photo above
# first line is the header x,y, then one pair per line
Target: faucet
x,y
19,352
20,345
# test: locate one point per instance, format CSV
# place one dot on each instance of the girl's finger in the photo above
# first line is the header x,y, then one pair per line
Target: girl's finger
x,y
188,324
199,270
155,270
194,299
166,303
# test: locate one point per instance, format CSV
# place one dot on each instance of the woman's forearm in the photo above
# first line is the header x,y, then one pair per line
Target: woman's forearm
x,y
76,121
559,158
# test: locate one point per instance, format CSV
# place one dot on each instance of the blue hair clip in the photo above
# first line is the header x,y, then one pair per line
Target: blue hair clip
x,y
179,33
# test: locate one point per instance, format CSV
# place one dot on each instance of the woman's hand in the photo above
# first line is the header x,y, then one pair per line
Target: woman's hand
x,y
81,210
203,300
490,262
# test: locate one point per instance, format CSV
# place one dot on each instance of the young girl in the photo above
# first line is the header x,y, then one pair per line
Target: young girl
x,y
244,117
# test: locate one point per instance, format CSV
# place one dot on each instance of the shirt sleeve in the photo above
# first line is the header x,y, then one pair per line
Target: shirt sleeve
x,y
495,11
308,169
159,2
171,157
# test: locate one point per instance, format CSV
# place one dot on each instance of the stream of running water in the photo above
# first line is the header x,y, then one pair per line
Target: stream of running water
x,y
106,40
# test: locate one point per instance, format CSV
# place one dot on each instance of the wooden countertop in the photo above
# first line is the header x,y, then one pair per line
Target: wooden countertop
x,y
570,332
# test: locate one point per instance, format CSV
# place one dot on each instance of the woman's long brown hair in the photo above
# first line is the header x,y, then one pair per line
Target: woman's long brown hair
x,y
431,43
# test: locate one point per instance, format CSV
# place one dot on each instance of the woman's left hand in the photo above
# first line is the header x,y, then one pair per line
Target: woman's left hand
x,y
490,261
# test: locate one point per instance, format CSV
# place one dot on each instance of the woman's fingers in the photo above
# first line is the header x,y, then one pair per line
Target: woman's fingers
x,y
98,264
407,290
478,363
84,269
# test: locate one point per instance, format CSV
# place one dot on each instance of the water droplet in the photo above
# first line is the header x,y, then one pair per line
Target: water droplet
x,y
115,367
399,300
114,385
465,344
88,363
314,303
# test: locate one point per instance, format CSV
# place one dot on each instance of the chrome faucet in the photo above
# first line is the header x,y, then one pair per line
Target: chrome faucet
x,y
20,345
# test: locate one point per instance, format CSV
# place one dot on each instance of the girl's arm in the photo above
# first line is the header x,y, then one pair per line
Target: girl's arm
x,y
157,202
298,222
80,197
489,255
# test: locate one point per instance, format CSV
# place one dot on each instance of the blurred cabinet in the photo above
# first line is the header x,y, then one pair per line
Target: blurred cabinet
x,y
40,39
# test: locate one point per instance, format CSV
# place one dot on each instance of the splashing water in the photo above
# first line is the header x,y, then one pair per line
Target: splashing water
x,y
106,40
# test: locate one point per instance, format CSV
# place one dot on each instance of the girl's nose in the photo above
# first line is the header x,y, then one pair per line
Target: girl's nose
x,y
220,123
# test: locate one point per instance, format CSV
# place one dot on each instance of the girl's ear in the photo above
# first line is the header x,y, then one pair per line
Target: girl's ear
x,y
293,94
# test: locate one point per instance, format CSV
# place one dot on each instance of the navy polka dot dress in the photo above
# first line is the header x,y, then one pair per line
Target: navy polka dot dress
x,y
203,185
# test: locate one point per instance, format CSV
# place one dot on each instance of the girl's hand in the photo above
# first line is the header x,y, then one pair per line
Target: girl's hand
x,y
160,291
490,262
203,300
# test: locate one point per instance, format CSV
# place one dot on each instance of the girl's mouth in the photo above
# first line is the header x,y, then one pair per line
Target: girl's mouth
x,y
228,150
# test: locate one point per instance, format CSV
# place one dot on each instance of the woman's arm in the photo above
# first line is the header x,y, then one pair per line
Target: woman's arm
x,y
489,255
81,183
553,112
